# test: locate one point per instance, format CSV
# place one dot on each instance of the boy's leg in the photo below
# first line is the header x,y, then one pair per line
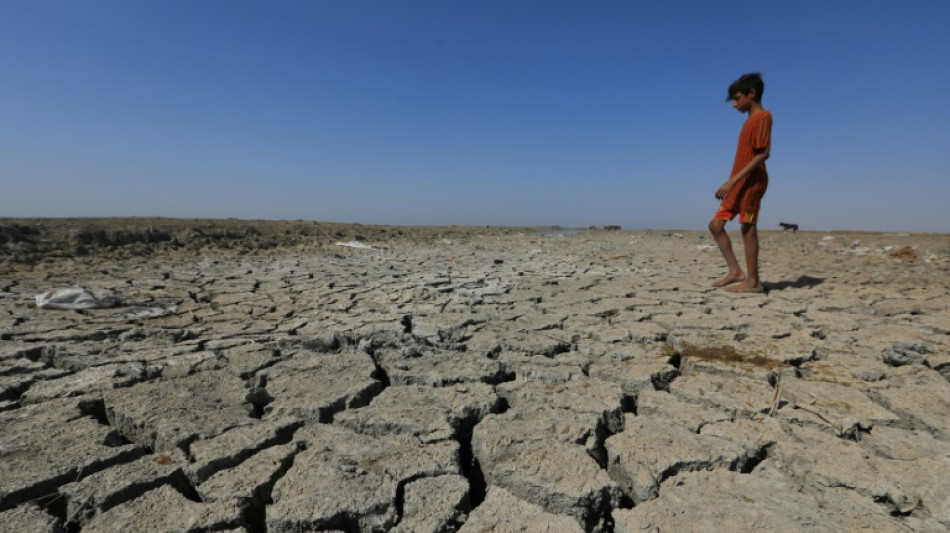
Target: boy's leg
x,y
718,229
750,239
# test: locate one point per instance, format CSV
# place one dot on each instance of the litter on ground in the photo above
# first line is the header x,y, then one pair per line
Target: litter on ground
x,y
75,298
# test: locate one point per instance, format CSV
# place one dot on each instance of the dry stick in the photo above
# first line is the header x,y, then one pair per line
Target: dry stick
x,y
819,415
778,395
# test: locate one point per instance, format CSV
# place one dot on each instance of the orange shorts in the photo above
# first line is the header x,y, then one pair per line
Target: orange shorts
x,y
745,203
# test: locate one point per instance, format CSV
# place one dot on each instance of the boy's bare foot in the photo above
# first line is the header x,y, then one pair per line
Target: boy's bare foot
x,y
729,280
746,288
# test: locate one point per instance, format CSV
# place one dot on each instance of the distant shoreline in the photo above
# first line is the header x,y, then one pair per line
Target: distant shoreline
x,y
162,221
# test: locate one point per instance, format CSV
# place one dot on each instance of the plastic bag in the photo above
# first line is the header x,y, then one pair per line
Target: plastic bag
x,y
74,298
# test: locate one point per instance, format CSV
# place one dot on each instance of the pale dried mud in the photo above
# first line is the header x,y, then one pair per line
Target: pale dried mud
x,y
304,376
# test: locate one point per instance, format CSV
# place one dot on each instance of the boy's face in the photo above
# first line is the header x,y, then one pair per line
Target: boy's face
x,y
743,102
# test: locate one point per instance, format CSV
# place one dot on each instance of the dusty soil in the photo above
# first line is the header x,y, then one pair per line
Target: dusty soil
x,y
276,376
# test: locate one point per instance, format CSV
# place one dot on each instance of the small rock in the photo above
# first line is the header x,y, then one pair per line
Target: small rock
x,y
906,353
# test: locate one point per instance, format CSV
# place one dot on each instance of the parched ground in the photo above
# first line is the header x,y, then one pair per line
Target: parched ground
x,y
305,376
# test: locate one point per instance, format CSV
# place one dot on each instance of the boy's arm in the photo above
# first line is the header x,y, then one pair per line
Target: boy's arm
x,y
746,170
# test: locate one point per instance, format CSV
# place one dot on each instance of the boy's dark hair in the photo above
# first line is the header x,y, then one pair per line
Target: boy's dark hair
x,y
745,84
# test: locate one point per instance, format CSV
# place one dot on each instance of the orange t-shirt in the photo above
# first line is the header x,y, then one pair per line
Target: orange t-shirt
x,y
756,136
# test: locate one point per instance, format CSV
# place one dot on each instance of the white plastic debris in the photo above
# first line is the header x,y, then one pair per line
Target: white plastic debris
x,y
150,312
355,244
75,298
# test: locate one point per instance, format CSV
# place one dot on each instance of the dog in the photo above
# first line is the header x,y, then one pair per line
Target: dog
x,y
793,227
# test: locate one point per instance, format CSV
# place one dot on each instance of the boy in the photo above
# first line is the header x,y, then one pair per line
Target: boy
x,y
742,193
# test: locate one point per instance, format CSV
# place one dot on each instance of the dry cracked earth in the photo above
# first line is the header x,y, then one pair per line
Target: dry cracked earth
x,y
258,376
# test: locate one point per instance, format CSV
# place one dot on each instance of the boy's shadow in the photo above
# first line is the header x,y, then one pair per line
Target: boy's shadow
x,y
803,282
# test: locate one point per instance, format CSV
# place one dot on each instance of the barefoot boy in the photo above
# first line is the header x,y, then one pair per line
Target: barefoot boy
x,y
742,193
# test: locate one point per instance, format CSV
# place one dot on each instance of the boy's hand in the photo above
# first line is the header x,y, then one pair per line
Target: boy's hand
x,y
724,190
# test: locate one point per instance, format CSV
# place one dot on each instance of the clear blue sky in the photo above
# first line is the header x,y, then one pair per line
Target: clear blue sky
x,y
472,112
